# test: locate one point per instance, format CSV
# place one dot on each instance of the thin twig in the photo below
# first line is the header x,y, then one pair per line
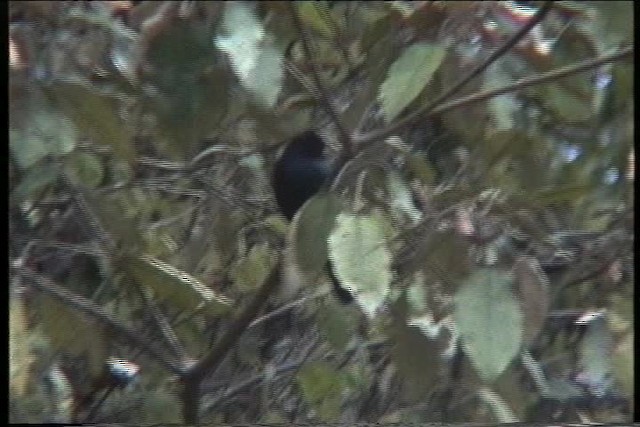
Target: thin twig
x,y
534,80
321,90
257,379
500,51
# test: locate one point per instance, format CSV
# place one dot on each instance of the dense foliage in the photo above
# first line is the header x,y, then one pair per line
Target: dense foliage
x,y
480,213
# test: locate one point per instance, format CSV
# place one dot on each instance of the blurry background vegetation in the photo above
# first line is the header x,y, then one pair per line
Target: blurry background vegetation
x,y
489,246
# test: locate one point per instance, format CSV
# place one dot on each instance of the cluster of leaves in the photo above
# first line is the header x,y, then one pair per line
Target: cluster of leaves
x,y
487,242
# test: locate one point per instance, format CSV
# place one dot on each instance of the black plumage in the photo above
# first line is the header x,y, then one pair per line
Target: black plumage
x,y
300,173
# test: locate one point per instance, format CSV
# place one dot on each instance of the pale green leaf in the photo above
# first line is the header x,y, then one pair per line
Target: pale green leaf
x,y
408,76
401,196
45,132
502,107
489,321
361,260
255,59
596,350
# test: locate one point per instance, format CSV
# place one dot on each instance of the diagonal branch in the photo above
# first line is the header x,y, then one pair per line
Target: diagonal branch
x,y
534,80
91,309
210,362
500,51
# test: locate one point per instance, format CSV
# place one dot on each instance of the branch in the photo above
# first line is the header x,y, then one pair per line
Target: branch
x,y
210,362
321,90
531,81
81,304
500,51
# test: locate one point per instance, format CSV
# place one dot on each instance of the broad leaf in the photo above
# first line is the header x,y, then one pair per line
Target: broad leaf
x,y
312,226
361,261
489,321
255,59
408,76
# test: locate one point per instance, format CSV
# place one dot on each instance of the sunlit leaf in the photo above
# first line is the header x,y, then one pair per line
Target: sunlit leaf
x,y
360,259
43,131
256,61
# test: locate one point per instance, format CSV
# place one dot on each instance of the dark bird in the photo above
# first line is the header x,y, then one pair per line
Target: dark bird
x,y
299,174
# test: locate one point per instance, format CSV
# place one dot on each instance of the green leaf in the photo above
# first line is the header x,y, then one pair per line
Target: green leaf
x,y
502,107
192,86
596,350
622,363
21,358
85,169
421,168
566,105
176,286
316,15
160,407
489,321
311,227
532,287
95,115
613,24
570,193
401,196
417,294
44,131
416,357
73,333
338,323
35,180
408,76
253,269
255,59
361,260
322,387
114,216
